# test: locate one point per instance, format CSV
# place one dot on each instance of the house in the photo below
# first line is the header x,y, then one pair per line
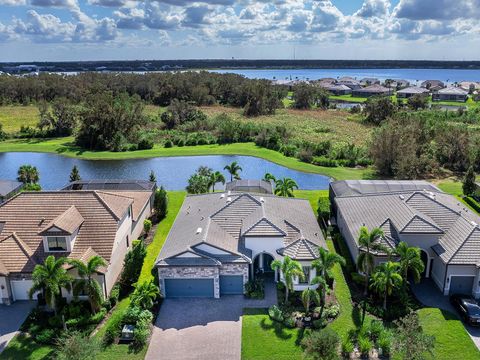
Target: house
x,y
369,81
469,86
429,84
372,90
75,224
412,91
399,84
338,89
446,232
450,94
8,188
251,186
221,240
350,82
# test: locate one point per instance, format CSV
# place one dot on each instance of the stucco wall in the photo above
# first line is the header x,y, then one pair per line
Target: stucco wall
x,y
137,227
424,242
267,245
438,272
4,291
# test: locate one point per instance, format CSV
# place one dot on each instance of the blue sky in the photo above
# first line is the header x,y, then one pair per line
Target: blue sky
x,y
70,30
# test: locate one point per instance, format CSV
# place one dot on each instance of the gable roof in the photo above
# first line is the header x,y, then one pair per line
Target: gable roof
x,y
413,90
69,221
15,256
453,91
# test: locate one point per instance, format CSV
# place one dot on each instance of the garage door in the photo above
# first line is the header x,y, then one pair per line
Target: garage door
x,y
231,284
20,289
189,288
461,284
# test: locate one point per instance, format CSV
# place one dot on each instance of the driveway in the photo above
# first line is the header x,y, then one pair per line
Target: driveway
x,y
11,318
429,295
203,328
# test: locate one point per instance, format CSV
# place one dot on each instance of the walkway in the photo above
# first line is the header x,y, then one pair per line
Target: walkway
x,y
203,328
429,295
12,318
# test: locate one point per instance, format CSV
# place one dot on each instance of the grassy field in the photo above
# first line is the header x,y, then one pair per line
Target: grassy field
x,y
64,146
309,125
13,117
23,347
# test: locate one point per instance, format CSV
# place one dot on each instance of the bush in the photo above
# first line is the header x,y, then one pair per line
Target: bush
x,y
384,342
255,289
181,143
474,204
289,322
145,144
331,312
322,345
113,329
375,329
323,161
168,144
305,156
46,336
98,317
160,203
275,313
132,265
76,346
280,286
147,226
114,294
319,324
347,347
364,345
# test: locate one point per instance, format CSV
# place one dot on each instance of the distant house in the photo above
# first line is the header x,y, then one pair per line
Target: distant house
x,y
400,84
8,188
411,91
338,89
372,90
369,81
469,86
450,94
350,82
429,84
326,81
250,186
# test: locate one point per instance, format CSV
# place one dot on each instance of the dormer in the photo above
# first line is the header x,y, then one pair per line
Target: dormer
x,y
59,234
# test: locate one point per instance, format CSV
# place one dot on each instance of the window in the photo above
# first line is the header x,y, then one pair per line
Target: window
x,y
306,272
57,243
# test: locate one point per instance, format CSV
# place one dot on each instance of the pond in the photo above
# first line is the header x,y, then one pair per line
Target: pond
x,y
171,172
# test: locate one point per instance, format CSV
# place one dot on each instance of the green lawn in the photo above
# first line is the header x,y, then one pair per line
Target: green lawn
x,y
65,147
454,187
22,347
348,98
13,117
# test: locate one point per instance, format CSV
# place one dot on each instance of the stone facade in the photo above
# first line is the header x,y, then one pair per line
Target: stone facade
x,y
199,272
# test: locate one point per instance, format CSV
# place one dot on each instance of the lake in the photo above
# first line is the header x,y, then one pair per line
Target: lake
x,y
171,172
412,75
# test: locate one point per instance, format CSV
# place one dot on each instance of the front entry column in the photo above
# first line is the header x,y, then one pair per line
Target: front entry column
x,y
260,261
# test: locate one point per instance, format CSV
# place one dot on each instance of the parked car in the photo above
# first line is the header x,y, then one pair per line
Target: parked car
x,y
468,308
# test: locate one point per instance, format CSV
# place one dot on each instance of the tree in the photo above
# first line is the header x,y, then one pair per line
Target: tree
x,y
198,184
322,345
284,187
410,261
368,243
152,177
132,265
378,108
181,112
289,269
418,101
49,278
409,341
160,203
75,174
87,283
28,174
76,346
147,226
386,278
468,186
308,296
233,169
61,120
324,264
145,295
306,96
269,178
216,177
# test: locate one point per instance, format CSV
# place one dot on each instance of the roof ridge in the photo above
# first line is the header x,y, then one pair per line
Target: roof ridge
x,y
463,243
104,203
423,219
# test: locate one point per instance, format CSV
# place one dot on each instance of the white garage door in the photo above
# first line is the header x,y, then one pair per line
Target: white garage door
x,y
20,289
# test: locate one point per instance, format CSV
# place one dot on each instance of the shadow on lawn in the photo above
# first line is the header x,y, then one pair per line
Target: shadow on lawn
x,y
278,329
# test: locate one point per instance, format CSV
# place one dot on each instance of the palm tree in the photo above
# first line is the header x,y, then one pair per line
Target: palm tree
x,y
324,264
284,187
269,177
233,170
216,177
87,283
50,278
309,295
290,269
368,243
386,278
145,295
28,174
410,261
322,284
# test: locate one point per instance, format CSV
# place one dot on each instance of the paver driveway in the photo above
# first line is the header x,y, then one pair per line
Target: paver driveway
x,y
11,317
202,328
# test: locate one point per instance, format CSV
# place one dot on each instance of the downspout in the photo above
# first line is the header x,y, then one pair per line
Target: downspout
x,y
445,279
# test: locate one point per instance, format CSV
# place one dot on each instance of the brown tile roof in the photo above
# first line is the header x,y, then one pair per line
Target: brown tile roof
x,y
69,221
27,213
140,199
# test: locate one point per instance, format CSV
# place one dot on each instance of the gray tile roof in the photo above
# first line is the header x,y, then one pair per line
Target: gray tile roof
x,y
413,90
223,220
420,212
359,187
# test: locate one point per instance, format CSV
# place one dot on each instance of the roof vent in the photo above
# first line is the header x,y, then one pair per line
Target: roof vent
x,y
199,230
222,196
402,197
262,199
229,192
229,199
473,223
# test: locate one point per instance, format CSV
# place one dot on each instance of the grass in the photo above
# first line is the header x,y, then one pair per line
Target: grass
x,y
65,147
23,347
348,98
450,334
13,117
454,187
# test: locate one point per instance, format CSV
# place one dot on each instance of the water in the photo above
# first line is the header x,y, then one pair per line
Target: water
x,y
413,75
171,172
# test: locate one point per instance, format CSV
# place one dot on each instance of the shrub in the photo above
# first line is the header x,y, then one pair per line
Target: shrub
x,y
347,347
289,150
181,143
145,295
255,289
323,161
474,204
322,345
114,294
280,286
112,329
75,346
168,144
160,203
275,313
135,314
55,322
331,311
46,336
375,329
147,226
145,144
319,323
289,322
132,266
384,342
305,156
364,345
99,316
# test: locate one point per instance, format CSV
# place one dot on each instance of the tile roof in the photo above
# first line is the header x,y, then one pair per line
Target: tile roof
x,y
222,220
359,187
413,90
15,255
26,215
453,91
301,249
